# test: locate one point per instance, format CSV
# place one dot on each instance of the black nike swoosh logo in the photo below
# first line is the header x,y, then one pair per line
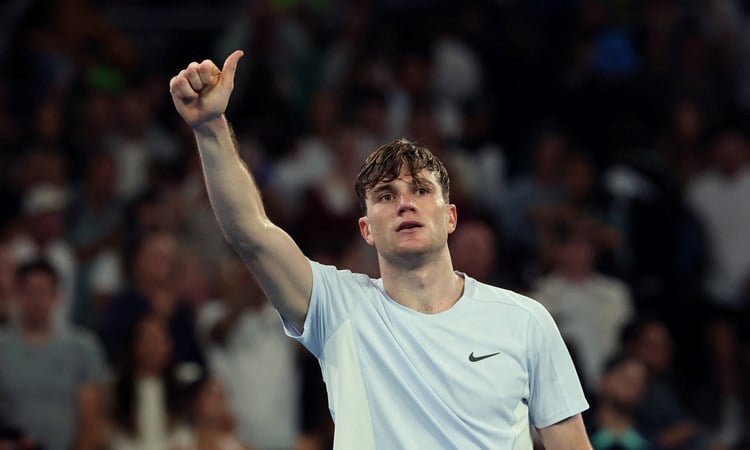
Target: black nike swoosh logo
x,y
473,358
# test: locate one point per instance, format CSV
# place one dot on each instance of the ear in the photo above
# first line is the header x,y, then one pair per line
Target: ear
x,y
452,218
364,230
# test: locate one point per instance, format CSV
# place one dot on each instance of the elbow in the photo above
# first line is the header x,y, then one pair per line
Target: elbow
x,y
248,239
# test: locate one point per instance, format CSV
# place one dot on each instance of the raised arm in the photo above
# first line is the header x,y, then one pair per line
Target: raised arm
x,y
200,94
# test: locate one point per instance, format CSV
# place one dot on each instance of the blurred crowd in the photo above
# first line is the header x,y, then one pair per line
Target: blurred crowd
x,y
599,158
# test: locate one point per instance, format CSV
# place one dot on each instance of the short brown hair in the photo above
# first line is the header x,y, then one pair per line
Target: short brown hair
x,y
386,162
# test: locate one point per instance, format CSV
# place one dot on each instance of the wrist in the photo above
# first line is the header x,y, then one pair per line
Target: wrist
x,y
211,128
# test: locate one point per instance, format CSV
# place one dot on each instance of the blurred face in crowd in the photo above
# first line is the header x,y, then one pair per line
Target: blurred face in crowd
x,y
135,113
38,294
623,386
152,346
101,176
654,348
473,249
324,112
549,155
48,226
576,256
8,267
157,260
688,122
580,178
211,406
731,153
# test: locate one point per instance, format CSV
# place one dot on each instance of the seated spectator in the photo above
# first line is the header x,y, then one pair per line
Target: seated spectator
x,y
156,289
41,237
619,394
251,356
661,415
590,308
213,423
148,396
50,376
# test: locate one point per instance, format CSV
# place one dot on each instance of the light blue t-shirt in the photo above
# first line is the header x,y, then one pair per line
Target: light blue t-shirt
x,y
472,377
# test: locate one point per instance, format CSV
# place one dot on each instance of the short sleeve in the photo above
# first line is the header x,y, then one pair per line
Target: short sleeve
x,y
334,294
555,389
91,366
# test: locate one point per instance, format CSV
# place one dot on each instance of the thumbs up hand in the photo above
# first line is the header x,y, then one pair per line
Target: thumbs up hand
x,y
201,91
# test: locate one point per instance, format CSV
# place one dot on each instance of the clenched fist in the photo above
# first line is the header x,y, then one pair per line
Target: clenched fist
x,y
201,91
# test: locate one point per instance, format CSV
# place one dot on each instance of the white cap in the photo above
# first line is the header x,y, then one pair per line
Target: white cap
x,y
44,198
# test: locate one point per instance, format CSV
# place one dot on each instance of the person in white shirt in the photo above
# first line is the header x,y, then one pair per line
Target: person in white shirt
x,y
248,352
590,308
424,357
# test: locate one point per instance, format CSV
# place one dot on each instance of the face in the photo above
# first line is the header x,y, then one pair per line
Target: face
x,y
211,405
152,346
38,294
625,384
158,259
655,348
407,219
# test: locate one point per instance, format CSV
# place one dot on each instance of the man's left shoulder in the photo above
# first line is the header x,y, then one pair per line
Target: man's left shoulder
x,y
513,300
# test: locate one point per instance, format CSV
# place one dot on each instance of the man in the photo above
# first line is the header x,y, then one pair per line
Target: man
x,y
424,357
50,376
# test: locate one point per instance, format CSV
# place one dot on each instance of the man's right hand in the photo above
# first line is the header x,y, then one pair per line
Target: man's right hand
x,y
201,91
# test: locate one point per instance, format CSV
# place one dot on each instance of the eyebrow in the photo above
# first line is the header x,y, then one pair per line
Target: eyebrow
x,y
388,186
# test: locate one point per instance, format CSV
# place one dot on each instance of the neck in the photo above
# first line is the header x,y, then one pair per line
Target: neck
x,y
431,287
36,334
613,420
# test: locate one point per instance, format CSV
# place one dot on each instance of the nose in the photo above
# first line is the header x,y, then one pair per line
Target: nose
x,y
406,203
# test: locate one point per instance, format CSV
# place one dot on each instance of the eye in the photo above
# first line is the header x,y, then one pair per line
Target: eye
x,y
386,197
422,191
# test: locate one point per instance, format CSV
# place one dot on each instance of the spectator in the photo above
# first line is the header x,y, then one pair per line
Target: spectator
x,y
50,378
719,199
213,423
149,394
590,308
95,230
252,357
138,145
619,393
529,193
44,207
156,289
662,415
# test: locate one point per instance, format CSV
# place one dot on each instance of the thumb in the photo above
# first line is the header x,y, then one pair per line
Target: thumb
x,y
229,69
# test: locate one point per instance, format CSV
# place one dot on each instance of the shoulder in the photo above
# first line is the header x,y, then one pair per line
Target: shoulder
x,y
516,305
6,334
344,276
81,340
706,184
611,284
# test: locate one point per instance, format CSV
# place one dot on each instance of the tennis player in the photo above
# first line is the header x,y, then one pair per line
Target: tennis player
x,y
424,357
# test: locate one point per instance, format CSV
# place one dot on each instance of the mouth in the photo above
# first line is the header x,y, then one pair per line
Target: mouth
x,y
408,225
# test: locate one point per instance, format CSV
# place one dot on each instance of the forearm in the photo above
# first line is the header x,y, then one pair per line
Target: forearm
x,y
234,196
